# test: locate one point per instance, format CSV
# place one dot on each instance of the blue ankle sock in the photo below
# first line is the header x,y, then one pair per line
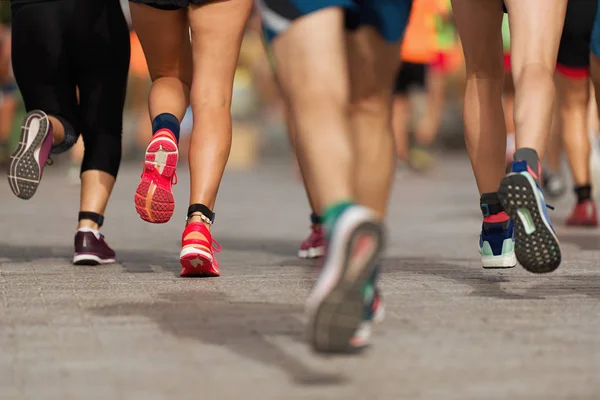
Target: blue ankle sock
x,y
166,121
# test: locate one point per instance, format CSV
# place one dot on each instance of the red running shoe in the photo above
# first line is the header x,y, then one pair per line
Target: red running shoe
x,y
197,254
314,245
584,214
154,200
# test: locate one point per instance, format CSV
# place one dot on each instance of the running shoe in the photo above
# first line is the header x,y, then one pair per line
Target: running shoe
x,y
154,201
27,162
314,245
554,184
374,311
197,255
584,214
536,244
91,248
336,304
421,158
497,245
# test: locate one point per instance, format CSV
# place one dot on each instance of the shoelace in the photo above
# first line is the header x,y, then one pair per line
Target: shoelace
x,y
157,176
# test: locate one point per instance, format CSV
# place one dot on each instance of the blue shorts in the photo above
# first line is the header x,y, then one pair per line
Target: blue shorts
x,y
595,45
389,17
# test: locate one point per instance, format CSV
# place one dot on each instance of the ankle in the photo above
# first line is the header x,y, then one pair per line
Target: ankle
x,y
584,193
198,219
199,213
492,209
90,220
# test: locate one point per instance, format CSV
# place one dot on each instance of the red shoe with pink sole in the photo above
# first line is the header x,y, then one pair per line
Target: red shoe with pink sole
x,y
197,255
154,200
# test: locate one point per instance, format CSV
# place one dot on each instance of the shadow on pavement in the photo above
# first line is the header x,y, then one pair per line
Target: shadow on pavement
x,y
243,328
485,283
584,242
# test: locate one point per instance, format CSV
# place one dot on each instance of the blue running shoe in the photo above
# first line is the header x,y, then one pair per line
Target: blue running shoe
x,y
536,244
497,245
336,304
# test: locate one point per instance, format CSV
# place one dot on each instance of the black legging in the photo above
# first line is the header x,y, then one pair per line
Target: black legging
x,y
61,45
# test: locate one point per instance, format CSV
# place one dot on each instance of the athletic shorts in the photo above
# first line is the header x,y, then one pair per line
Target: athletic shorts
x,y
170,5
410,76
388,17
574,51
595,45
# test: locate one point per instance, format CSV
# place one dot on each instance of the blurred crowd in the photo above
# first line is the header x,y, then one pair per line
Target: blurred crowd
x,y
430,82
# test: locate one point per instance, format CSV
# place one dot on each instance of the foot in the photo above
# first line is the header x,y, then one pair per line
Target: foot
x,y
314,245
374,311
421,159
497,245
536,244
154,200
584,214
554,184
27,162
197,254
336,304
91,249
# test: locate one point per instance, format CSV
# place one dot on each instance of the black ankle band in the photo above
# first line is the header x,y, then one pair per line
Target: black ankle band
x,y
583,193
490,204
201,208
316,219
92,216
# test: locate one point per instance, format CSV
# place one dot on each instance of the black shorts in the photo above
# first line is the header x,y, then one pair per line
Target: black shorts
x,y
574,51
410,76
171,5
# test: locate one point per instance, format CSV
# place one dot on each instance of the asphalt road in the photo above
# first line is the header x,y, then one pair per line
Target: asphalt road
x,y
135,330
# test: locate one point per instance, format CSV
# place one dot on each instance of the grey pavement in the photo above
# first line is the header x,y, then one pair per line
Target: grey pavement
x,y
135,330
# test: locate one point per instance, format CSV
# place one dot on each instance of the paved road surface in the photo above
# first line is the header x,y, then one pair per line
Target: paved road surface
x,y
135,330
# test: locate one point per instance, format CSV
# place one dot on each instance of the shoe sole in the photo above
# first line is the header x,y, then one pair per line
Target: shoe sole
x,y
155,203
336,304
313,252
24,171
197,264
538,250
90,259
499,262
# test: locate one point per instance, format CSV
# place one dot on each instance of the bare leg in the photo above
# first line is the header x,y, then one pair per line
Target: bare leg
x,y
217,31
316,90
373,66
573,100
479,26
400,118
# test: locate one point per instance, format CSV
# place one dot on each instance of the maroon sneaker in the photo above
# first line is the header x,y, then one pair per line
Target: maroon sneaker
x,y
314,245
28,161
91,249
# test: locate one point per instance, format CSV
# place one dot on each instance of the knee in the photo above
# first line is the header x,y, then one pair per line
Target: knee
x,y
376,104
102,152
534,72
319,98
173,73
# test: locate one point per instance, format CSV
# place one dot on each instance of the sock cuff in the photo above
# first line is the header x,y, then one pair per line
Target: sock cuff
x,y
166,121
